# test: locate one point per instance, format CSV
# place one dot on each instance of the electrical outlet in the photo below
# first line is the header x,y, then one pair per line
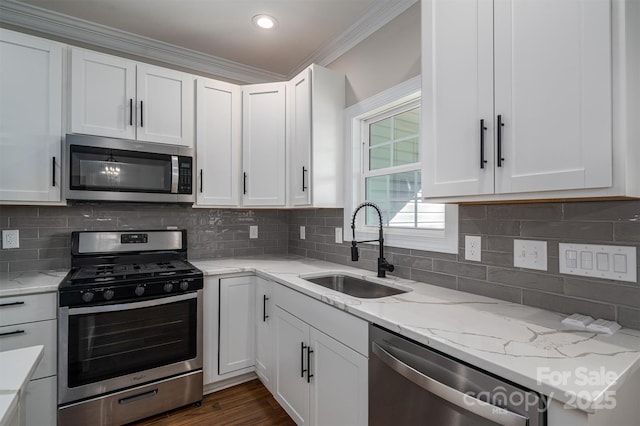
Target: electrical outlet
x,y
339,235
302,233
253,231
10,239
530,254
472,248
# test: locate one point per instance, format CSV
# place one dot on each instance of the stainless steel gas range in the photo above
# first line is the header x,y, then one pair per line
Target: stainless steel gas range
x,y
129,327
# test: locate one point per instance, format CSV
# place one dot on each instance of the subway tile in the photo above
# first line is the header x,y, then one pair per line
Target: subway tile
x,y
580,231
31,233
297,251
249,251
489,227
68,211
233,244
460,269
604,291
423,263
37,222
401,272
329,212
275,250
493,258
17,254
568,305
525,211
36,243
14,211
4,266
484,288
628,317
472,211
336,258
532,280
335,222
500,244
442,280
54,253
603,210
434,254
81,222
39,265
4,222
146,222
627,232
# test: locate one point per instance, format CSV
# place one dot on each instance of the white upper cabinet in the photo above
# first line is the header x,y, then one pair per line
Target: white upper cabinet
x,y
115,97
316,103
30,118
516,98
218,142
263,144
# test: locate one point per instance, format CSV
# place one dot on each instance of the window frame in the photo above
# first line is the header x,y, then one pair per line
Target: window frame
x,y
405,93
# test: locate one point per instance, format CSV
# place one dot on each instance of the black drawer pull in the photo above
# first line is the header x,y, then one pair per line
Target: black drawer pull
x,y
302,369
482,129
264,308
244,183
11,333
53,171
141,115
201,182
304,171
309,375
2,305
499,137
131,112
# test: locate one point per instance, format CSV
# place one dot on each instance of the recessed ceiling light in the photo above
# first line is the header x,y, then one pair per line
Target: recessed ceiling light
x,y
264,21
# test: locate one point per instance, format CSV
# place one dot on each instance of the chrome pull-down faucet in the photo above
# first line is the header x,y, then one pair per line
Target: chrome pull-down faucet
x,y
383,265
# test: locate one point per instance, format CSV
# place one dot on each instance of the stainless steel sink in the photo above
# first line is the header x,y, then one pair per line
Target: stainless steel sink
x,y
355,287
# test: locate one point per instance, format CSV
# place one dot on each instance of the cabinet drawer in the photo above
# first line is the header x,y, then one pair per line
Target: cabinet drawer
x,y
343,327
41,402
31,334
31,308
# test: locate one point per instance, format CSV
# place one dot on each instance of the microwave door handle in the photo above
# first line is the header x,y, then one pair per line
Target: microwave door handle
x,y
467,402
175,174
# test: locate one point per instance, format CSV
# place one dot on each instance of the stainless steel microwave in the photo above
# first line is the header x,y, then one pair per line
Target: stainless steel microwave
x,y
107,169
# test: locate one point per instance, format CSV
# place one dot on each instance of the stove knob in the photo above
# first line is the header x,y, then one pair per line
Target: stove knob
x,y
87,296
184,285
108,294
139,290
168,287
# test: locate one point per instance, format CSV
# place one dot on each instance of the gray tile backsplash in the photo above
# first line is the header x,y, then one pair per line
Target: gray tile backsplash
x,y
606,222
215,233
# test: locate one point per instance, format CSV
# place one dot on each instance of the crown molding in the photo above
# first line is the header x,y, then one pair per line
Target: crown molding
x,y
376,17
75,29
67,27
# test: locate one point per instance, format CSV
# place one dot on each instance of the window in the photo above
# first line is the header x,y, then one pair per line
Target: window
x,y
386,167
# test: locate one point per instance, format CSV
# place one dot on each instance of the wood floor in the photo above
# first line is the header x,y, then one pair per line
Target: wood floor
x,y
246,404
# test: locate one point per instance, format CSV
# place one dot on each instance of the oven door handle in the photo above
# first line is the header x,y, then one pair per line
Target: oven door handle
x,y
465,401
132,305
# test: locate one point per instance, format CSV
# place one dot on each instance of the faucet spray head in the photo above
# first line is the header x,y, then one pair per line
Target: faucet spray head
x,y
354,252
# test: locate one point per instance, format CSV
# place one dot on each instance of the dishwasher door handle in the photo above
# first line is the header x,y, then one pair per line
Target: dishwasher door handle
x,y
449,394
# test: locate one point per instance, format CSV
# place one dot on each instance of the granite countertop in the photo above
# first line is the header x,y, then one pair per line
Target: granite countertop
x,y
526,345
19,283
18,366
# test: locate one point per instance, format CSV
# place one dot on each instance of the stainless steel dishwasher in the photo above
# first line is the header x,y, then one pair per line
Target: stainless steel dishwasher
x,y
410,384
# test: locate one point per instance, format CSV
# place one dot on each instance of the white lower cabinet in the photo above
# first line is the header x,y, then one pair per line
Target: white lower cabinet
x,y
319,380
264,332
41,402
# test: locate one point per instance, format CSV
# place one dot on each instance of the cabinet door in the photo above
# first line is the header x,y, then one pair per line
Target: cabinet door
x,y
41,402
553,90
292,389
263,144
103,95
339,386
300,113
264,331
165,105
237,323
30,118
218,142
30,334
457,93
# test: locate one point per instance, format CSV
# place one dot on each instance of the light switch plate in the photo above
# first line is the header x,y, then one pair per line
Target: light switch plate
x,y
339,235
10,238
530,254
253,231
473,248
303,234
599,261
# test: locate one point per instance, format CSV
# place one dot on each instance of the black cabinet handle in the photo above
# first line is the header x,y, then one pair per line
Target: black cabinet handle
x,y
11,333
309,375
302,369
2,305
53,171
304,170
244,183
264,308
131,112
499,140
201,183
482,129
141,115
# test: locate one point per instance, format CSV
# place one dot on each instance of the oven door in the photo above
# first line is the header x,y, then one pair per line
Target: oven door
x,y
111,347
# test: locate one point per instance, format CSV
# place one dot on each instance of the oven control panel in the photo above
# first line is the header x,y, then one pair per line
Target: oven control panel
x,y
124,292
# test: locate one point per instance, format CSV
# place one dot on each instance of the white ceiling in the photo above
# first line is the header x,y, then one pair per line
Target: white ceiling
x,y
223,28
